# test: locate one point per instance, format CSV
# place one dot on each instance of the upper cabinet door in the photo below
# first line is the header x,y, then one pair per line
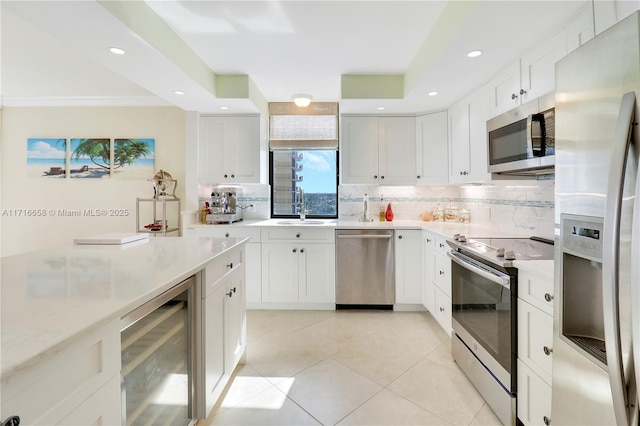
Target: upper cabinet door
x,y
479,113
459,142
432,148
580,29
505,89
538,67
229,150
397,151
359,150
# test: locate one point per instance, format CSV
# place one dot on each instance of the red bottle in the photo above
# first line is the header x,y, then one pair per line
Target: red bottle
x,y
389,213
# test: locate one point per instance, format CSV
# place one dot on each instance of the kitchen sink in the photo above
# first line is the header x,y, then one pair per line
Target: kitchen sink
x,y
301,222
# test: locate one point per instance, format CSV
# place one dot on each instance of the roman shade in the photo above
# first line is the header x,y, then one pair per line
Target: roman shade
x,y
295,128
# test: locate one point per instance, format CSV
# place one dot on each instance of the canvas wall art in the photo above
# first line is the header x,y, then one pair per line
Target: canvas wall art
x,y
46,157
90,158
133,158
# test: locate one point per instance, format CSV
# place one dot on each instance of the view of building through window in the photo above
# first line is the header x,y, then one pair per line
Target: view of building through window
x,y
312,170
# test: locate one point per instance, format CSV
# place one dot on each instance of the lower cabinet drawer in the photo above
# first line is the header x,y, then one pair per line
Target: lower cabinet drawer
x,y
535,338
442,312
534,397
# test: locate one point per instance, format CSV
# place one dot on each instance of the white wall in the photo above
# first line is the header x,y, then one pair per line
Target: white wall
x,y
20,233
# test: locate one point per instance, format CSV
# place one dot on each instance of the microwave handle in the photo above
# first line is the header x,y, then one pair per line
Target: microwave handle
x,y
531,150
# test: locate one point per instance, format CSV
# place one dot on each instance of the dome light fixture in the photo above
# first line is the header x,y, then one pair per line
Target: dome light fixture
x,y
116,51
474,53
302,100
178,92
434,93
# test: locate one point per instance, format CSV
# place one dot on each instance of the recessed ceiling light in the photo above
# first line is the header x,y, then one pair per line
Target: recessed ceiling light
x,y
224,107
474,53
116,51
434,93
178,92
380,108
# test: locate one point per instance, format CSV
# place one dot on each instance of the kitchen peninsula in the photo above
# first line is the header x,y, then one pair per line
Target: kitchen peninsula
x,y
61,320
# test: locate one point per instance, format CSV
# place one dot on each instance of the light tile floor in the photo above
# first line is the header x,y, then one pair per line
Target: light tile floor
x,y
349,368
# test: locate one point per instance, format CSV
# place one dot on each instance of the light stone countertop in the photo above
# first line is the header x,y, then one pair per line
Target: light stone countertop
x,y
446,229
51,298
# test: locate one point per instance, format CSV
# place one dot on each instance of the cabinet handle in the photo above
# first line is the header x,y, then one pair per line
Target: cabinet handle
x,y
301,250
418,176
226,235
546,420
226,176
234,289
399,237
295,250
441,245
375,176
233,176
441,272
298,235
548,297
547,350
428,240
230,265
441,309
12,421
522,91
381,177
464,173
230,294
514,96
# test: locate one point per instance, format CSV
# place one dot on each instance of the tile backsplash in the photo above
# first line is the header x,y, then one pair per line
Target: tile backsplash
x,y
512,208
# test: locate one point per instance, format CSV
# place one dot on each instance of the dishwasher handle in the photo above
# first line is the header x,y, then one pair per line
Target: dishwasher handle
x,y
366,236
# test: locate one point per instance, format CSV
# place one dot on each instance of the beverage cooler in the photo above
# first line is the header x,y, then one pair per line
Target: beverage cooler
x,y
157,344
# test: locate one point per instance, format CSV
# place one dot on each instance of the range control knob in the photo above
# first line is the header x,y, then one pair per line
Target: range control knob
x,y
462,238
500,252
456,237
509,256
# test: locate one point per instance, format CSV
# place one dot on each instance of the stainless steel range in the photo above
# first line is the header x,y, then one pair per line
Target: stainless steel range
x,y
484,292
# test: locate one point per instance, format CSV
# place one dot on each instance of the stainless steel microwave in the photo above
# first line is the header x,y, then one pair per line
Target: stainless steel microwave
x,y
522,140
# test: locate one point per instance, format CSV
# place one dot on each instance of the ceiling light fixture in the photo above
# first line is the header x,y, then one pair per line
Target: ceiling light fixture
x,y
380,108
224,107
474,53
116,51
178,92
434,93
302,100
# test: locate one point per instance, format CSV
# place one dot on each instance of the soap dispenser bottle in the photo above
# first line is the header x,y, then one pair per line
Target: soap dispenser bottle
x,y
389,213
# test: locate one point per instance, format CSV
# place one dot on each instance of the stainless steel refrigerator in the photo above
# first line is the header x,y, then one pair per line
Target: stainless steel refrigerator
x,y
596,305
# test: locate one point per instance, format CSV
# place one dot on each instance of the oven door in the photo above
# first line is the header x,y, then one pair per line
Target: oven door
x,y
484,302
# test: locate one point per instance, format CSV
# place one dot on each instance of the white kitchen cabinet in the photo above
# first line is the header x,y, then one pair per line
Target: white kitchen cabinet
x,y
378,150
223,332
408,256
229,149
432,164
580,29
428,267
80,385
252,260
437,270
534,397
468,137
529,77
535,346
298,267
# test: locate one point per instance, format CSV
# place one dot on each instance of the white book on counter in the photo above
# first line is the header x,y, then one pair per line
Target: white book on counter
x,y
115,238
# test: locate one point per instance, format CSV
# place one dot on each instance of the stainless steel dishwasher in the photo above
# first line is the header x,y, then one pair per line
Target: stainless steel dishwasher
x,y
365,269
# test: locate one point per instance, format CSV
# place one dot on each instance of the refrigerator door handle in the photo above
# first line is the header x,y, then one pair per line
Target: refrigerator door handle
x,y
610,265
635,285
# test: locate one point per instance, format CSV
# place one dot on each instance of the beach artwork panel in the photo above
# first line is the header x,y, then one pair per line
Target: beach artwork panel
x,y
133,158
46,157
90,158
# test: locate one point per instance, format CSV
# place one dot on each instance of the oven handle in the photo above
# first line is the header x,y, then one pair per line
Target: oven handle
x,y
477,268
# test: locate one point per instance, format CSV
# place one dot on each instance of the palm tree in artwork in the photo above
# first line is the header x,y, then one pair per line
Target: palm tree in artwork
x,y
125,151
97,150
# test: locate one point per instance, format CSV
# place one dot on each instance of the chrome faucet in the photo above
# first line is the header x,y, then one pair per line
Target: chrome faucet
x,y
301,203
